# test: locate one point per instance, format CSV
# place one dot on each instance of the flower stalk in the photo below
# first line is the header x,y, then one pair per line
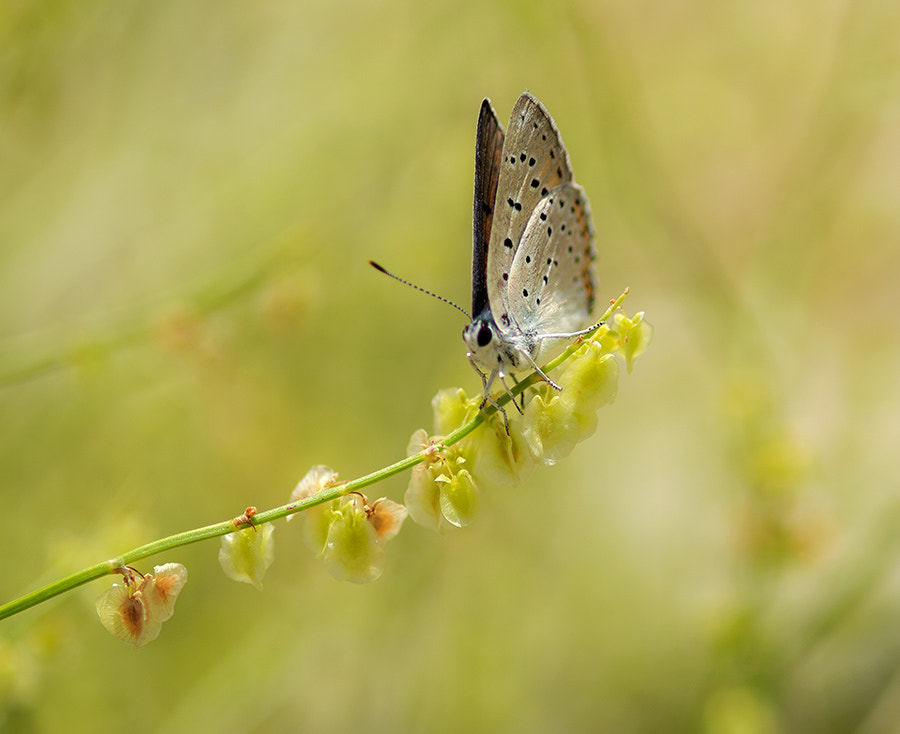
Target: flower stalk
x,y
325,495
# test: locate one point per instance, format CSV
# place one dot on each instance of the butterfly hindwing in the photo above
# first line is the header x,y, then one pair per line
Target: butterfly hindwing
x,y
533,162
551,282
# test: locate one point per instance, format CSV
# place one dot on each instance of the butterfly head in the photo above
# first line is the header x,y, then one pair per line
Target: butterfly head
x,y
488,348
480,337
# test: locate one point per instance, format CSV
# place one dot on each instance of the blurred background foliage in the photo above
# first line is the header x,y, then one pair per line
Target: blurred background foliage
x,y
188,196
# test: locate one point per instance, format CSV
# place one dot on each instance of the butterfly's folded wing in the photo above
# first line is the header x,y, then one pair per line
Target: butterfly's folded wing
x,y
488,148
551,283
533,162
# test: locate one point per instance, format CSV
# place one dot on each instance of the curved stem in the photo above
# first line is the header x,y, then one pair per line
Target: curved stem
x,y
110,566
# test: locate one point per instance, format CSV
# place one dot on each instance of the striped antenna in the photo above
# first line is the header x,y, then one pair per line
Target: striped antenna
x,y
413,285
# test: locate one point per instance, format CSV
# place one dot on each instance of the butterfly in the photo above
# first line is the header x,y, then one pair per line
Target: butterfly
x,y
533,252
532,274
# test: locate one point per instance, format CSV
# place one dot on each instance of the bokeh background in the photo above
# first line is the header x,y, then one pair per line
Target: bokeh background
x,y
189,193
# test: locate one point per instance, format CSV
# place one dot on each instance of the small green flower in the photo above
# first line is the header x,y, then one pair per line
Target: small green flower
x,y
590,379
501,456
357,532
555,421
441,491
352,550
246,554
632,337
458,498
498,455
452,409
550,428
347,532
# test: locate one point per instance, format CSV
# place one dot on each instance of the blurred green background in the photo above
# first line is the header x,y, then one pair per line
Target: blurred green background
x,y
189,193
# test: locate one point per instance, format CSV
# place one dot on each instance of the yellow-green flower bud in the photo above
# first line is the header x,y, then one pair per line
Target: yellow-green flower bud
x,y
502,457
555,421
441,492
352,551
452,409
549,427
634,336
246,554
458,498
590,379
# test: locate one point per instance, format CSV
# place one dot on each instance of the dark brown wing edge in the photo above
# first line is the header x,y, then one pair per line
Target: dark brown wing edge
x,y
488,148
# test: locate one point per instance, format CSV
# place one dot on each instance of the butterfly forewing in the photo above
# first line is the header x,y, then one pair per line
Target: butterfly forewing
x,y
488,148
533,162
551,282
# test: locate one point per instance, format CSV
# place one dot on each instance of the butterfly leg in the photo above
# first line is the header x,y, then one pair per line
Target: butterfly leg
x,y
500,410
573,334
534,366
589,329
509,392
487,381
522,395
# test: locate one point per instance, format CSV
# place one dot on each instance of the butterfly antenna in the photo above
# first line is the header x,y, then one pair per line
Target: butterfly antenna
x,y
413,285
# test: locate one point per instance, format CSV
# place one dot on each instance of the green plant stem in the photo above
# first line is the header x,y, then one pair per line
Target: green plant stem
x,y
326,495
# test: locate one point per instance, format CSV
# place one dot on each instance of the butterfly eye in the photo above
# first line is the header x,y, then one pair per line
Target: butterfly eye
x,y
484,335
